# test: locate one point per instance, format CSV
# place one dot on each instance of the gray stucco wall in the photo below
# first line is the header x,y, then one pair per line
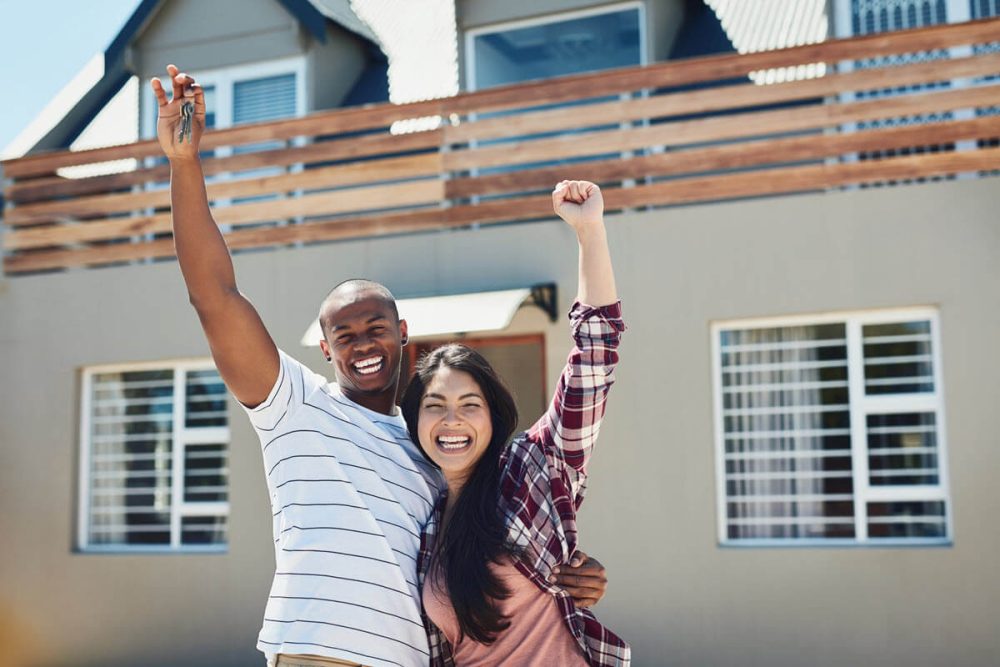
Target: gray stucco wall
x,y
650,514
220,33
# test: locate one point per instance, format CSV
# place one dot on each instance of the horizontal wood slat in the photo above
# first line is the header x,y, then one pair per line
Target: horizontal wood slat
x,y
682,191
721,98
757,153
701,123
717,128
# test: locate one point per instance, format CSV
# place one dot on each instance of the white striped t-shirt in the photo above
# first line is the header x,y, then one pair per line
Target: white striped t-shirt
x,y
350,494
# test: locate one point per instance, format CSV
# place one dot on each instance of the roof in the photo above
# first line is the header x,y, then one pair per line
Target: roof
x,y
76,105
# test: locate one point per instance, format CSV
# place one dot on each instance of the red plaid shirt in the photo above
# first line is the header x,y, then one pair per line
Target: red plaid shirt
x,y
544,478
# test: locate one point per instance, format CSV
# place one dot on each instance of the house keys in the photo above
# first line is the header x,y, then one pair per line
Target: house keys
x,y
187,113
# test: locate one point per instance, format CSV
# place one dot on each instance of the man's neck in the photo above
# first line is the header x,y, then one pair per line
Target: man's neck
x,y
383,402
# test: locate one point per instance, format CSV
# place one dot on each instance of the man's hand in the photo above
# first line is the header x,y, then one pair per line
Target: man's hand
x,y
579,203
584,579
168,125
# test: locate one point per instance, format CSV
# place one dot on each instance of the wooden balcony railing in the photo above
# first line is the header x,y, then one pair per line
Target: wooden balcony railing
x,y
670,133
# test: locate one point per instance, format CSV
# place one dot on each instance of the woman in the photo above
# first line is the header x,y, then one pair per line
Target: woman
x,y
508,519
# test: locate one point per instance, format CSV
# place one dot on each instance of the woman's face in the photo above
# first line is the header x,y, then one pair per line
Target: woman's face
x,y
454,423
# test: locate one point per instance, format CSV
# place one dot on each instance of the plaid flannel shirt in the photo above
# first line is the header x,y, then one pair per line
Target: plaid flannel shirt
x,y
543,482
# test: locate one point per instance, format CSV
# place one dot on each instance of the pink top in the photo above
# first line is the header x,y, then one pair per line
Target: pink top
x,y
537,634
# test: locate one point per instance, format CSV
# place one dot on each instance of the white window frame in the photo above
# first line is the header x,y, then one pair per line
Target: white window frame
x,y
860,405
181,437
224,80
472,33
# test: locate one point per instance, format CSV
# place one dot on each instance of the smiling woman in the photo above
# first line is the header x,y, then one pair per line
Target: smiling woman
x,y
508,519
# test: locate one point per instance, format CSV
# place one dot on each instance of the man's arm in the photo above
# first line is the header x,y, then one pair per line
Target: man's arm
x,y
584,578
242,349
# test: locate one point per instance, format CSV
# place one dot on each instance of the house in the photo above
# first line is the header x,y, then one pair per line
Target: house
x,y
797,465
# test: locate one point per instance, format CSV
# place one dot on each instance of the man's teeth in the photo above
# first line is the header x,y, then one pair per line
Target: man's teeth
x,y
368,366
453,441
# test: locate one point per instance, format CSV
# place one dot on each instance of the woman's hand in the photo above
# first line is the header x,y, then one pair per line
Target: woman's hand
x,y
580,204
168,124
585,579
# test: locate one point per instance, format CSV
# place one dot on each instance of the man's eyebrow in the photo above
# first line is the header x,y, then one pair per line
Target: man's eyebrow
x,y
374,318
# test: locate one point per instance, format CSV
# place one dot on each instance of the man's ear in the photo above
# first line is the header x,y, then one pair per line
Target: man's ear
x,y
404,333
326,350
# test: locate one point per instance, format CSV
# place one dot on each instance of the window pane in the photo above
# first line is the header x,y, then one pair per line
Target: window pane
x,y
206,473
203,530
906,519
902,449
130,457
786,427
206,399
898,358
558,48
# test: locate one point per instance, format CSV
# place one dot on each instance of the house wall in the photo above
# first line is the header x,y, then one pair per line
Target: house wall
x,y
194,36
663,19
334,68
208,35
651,511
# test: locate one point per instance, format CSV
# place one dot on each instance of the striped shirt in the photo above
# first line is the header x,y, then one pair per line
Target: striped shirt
x,y
350,494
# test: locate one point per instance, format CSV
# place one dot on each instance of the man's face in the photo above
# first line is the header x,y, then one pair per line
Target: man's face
x,y
364,341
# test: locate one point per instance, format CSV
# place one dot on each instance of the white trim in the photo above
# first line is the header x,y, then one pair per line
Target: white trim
x,y
559,17
181,436
223,79
860,407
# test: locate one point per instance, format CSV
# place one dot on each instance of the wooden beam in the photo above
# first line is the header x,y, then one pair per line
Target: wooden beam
x,y
368,171
681,191
730,156
721,98
719,128
365,146
411,193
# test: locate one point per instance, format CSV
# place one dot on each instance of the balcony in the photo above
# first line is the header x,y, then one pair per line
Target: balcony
x,y
905,107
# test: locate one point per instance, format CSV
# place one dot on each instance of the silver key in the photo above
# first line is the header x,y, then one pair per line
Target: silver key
x,y
187,112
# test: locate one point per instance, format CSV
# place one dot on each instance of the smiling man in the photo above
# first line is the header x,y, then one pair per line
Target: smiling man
x,y
349,491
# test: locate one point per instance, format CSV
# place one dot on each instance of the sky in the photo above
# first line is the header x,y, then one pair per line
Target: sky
x,y
45,43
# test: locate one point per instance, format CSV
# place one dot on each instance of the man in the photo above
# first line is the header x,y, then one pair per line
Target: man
x,y
350,492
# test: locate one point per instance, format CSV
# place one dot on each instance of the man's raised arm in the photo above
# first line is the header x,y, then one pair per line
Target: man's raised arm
x,y
243,350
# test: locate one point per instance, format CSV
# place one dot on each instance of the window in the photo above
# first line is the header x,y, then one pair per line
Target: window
x,y
260,92
154,458
582,41
831,429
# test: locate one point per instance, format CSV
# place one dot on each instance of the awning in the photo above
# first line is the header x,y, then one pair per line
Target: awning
x,y
462,313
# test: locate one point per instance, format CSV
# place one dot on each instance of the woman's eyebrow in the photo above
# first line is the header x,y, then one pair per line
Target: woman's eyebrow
x,y
461,398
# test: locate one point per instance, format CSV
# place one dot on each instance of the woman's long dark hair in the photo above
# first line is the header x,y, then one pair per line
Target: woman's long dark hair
x,y
475,535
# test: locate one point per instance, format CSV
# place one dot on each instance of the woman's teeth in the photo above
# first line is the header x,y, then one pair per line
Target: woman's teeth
x,y
453,441
368,366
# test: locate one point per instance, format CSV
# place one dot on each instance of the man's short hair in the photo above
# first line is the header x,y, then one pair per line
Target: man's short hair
x,y
352,285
